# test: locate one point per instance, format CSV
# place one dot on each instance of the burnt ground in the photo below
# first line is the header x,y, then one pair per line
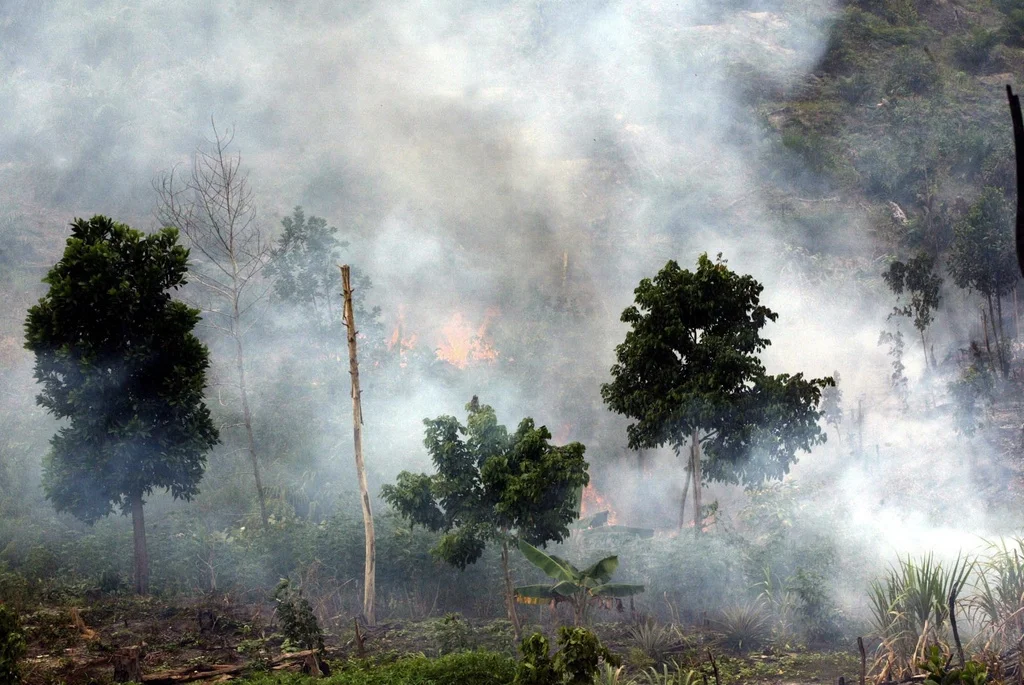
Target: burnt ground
x,y
193,634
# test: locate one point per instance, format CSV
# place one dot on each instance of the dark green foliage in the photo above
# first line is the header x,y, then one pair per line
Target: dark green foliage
x,y
1012,30
690,363
914,72
917,279
898,378
856,88
578,587
983,256
971,391
536,666
816,607
940,672
490,484
12,647
452,634
118,361
579,657
298,623
972,51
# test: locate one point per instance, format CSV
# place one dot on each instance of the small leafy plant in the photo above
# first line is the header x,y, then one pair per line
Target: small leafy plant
x,y
12,646
298,622
939,672
579,659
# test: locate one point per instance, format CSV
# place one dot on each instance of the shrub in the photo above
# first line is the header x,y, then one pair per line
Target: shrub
x,y
743,626
913,73
972,51
298,623
855,89
578,661
1012,31
535,667
451,634
12,646
579,656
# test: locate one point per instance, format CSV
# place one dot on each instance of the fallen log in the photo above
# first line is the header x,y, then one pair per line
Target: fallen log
x,y
195,673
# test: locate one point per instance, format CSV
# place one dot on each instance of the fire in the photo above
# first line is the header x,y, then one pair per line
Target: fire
x,y
401,341
461,344
594,503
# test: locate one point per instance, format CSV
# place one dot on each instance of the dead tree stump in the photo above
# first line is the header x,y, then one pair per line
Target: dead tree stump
x,y
126,666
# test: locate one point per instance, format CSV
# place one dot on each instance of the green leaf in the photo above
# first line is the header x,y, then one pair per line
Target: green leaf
x,y
566,588
552,566
603,570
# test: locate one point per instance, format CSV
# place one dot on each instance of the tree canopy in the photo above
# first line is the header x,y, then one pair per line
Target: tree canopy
x,y
688,371
118,361
491,486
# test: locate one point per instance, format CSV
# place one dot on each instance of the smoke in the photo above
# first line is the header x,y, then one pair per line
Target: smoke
x,y
523,164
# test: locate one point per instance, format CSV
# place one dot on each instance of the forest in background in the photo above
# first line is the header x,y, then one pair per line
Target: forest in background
x,y
893,147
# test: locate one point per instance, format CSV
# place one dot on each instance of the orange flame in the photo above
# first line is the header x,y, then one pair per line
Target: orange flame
x,y
400,340
593,503
462,345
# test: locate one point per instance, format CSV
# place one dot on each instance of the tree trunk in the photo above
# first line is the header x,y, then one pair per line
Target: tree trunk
x,y
510,592
686,491
247,419
370,566
988,346
126,665
141,557
924,348
995,334
697,520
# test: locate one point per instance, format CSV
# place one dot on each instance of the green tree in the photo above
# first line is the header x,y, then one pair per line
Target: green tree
x,y
491,486
983,258
304,266
118,361
917,278
688,372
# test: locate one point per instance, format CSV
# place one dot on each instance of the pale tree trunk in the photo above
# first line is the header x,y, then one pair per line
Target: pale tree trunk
x,y
686,491
510,592
697,485
141,557
924,348
247,419
370,566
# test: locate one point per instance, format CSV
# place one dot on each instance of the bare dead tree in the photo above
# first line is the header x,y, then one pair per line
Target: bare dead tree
x,y
212,205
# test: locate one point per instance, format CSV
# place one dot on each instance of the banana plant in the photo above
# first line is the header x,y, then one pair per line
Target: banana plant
x,y
580,588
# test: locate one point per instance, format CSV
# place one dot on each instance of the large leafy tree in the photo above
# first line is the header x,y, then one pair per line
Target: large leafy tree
x,y
491,486
688,373
983,258
916,279
118,362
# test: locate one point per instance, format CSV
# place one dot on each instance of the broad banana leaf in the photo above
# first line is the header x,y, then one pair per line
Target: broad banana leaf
x,y
559,569
566,588
601,572
535,594
616,590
